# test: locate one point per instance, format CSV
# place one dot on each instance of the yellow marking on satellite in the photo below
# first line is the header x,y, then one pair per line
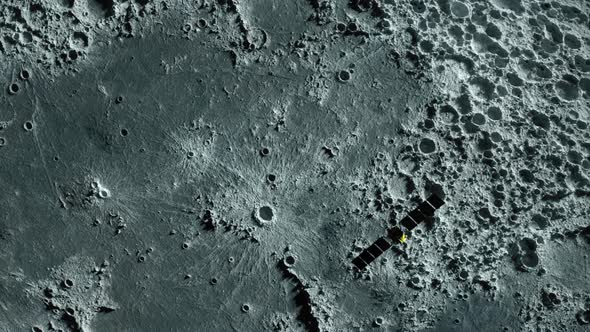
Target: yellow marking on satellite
x,y
403,238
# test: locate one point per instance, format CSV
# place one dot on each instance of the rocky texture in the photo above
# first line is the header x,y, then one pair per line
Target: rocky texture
x,y
188,144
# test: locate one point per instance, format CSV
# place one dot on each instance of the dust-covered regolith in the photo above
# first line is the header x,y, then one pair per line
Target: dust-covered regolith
x,y
217,165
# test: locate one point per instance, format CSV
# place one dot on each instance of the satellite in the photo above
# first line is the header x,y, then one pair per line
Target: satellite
x,y
425,210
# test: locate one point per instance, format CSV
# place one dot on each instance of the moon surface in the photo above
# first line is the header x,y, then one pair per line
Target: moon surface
x,y
216,165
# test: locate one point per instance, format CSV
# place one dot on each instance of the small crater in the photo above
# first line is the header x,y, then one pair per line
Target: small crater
x,y
26,37
427,146
478,119
379,321
13,88
73,55
541,120
482,88
265,152
426,46
463,275
289,260
448,114
202,23
416,282
186,28
25,74
459,9
550,299
79,40
70,311
266,213
352,28
574,157
28,126
572,41
344,76
103,192
68,283
567,90
271,178
493,31
494,113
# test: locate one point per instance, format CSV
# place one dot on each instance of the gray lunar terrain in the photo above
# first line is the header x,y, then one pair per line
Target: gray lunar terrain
x,y
216,165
